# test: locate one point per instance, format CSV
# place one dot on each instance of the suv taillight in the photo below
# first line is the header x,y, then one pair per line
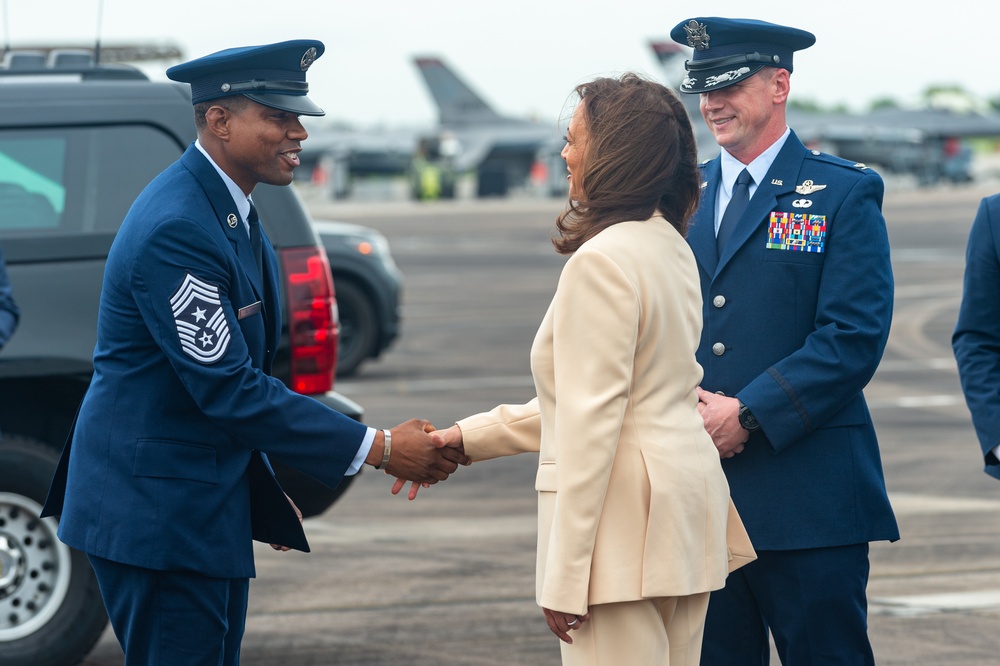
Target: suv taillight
x,y
312,323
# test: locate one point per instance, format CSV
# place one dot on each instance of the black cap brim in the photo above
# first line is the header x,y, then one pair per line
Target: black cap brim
x,y
299,104
709,80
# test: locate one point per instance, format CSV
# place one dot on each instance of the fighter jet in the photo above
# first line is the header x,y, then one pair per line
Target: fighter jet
x,y
501,149
336,154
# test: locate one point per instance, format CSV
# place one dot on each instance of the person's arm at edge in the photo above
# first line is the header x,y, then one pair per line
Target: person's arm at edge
x,y
976,339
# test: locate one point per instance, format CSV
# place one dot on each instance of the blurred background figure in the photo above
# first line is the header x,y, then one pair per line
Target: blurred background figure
x,y
9,312
976,340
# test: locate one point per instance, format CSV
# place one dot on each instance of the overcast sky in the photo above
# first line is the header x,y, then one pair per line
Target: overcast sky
x,y
525,56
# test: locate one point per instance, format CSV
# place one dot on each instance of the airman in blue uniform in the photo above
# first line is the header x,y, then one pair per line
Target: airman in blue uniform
x,y
797,288
976,340
165,478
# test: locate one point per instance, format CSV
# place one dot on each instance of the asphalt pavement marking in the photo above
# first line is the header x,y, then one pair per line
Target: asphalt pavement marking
x,y
912,504
912,605
416,529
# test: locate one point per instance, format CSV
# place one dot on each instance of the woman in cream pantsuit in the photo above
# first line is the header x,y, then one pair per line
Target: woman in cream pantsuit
x,y
633,506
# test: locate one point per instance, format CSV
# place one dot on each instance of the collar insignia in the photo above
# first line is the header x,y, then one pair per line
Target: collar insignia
x,y
697,34
776,181
807,187
232,221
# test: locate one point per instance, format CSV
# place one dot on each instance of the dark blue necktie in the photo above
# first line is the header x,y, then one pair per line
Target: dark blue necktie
x,y
255,244
734,211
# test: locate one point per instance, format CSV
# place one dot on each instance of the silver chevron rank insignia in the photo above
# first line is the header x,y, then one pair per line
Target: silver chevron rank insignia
x,y
200,320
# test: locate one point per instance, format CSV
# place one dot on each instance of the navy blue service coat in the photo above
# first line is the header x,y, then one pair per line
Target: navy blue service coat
x,y
158,470
976,340
796,317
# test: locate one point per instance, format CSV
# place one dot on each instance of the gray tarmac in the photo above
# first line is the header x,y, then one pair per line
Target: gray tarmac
x,y
448,579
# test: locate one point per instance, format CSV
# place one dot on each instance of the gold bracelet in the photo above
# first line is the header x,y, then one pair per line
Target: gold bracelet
x,y
385,452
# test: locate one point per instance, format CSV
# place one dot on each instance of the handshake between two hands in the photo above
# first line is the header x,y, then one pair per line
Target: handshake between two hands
x,y
419,454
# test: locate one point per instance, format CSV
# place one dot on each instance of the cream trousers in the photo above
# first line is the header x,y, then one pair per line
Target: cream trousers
x,y
661,632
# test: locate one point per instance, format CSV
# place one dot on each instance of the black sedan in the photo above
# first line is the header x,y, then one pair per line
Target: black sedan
x,y
368,289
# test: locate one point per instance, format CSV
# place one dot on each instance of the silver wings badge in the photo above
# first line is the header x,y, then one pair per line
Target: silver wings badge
x,y
808,187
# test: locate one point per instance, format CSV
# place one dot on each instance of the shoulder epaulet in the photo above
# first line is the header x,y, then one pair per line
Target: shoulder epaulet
x,y
838,161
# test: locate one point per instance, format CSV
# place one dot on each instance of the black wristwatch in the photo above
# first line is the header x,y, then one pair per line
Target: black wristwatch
x,y
747,419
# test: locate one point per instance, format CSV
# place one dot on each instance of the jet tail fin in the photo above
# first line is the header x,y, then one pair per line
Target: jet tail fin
x,y
667,53
457,103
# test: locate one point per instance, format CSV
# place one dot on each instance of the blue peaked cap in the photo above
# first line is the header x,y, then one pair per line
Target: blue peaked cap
x,y
729,50
273,75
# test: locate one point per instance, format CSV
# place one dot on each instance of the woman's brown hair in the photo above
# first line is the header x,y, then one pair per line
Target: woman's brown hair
x,y
640,157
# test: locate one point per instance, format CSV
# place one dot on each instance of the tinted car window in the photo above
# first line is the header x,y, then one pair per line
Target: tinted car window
x,y
97,172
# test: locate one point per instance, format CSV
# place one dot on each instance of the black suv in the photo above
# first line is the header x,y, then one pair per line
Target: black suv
x,y
77,145
368,288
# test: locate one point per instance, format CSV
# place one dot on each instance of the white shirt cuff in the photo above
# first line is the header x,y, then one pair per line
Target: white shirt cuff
x,y
363,451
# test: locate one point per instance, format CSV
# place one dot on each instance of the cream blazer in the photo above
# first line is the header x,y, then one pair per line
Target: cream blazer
x,y
632,499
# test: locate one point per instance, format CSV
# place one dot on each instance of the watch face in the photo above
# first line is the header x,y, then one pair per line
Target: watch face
x,y
747,419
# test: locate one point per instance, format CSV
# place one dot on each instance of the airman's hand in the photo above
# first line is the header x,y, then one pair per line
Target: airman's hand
x,y
298,513
722,421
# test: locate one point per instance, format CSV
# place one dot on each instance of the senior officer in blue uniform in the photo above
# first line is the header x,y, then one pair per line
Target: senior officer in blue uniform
x,y
976,340
165,479
797,287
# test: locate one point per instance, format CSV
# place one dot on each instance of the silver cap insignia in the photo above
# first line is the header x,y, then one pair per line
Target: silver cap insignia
x,y
308,58
697,35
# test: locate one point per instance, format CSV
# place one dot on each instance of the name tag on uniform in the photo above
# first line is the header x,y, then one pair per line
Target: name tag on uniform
x,y
249,310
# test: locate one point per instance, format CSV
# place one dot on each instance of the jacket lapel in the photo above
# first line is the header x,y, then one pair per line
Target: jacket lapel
x,y
226,212
701,232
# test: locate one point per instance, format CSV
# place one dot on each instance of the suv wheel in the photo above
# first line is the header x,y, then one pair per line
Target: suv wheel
x,y
51,612
358,326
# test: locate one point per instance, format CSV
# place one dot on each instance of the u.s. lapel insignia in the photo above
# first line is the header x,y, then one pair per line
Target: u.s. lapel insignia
x,y
776,181
704,185
232,221
808,187
802,203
